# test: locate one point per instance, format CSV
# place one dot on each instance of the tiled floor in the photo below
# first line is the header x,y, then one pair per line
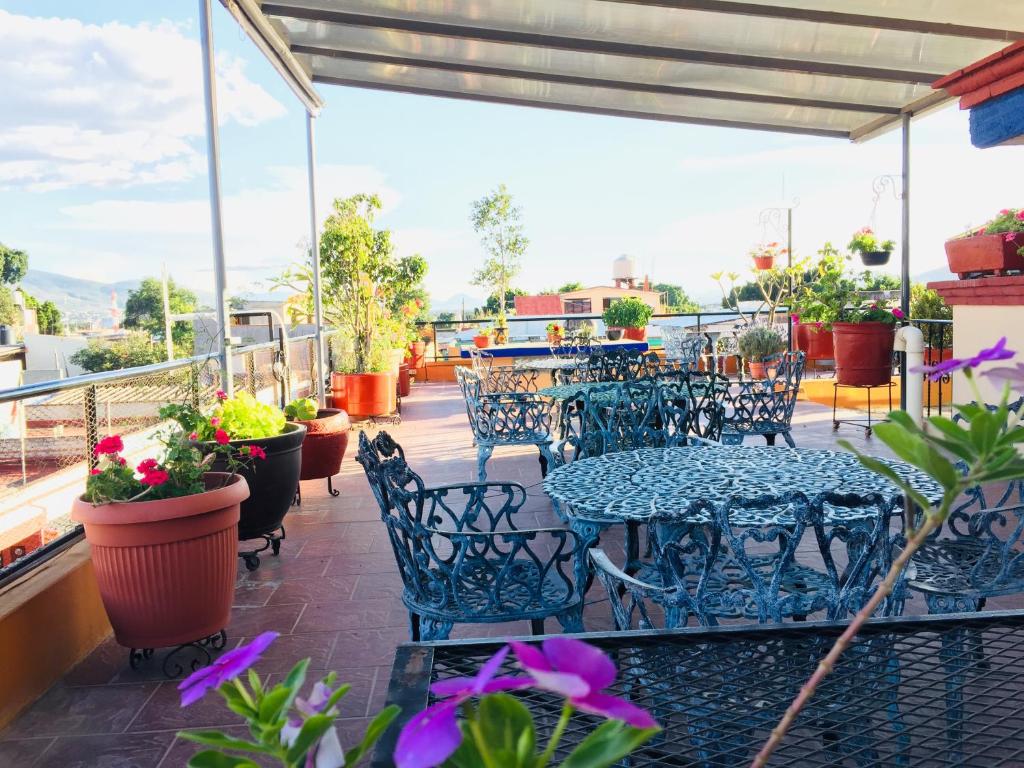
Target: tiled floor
x,y
333,593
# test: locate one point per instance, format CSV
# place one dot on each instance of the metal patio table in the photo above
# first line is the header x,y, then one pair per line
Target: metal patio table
x,y
548,364
630,487
927,691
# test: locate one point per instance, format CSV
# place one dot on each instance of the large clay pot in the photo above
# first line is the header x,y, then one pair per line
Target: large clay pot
x,y
166,569
272,481
863,353
816,343
364,394
326,441
635,334
984,254
416,352
758,370
404,381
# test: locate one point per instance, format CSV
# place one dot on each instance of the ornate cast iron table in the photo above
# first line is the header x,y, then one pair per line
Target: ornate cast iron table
x,y
929,691
631,486
547,364
564,392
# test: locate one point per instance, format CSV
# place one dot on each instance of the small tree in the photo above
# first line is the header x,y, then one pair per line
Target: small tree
x,y
491,307
144,310
499,224
48,317
133,350
13,265
676,299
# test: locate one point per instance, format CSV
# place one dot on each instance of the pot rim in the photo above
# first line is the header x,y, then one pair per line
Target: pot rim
x,y
155,510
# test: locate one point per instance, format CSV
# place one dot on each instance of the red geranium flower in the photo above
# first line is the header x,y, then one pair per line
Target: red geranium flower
x,y
221,437
256,452
95,471
156,477
122,460
108,445
193,436
221,394
214,421
146,466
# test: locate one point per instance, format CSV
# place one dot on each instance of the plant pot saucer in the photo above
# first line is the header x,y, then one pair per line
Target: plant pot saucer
x,y
875,258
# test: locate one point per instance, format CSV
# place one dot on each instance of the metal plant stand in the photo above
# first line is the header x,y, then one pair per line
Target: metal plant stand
x,y
190,656
297,501
866,424
271,541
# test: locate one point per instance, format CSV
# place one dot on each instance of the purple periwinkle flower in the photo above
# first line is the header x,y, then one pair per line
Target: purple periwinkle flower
x,y
937,371
579,672
227,667
1014,375
433,735
327,752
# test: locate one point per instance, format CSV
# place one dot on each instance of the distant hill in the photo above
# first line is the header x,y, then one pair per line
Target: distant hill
x,y
76,296
934,275
454,303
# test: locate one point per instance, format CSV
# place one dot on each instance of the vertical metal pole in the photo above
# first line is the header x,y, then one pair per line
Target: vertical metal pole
x,y
314,246
905,248
789,264
213,171
165,295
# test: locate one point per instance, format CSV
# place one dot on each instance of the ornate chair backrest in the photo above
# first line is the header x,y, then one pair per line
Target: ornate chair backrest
x,y
398,490
763,404
481,360
706,393
682,345
626,365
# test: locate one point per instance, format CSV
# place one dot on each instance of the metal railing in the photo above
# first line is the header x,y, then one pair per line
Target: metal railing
x,y
46,450
938,343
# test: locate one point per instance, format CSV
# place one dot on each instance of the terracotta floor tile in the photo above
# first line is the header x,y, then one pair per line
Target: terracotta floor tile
x,y
67,710
23,753
352,614
252,621
133,750
324,588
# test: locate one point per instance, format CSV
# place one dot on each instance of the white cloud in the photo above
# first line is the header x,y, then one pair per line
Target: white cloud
x,y
111,104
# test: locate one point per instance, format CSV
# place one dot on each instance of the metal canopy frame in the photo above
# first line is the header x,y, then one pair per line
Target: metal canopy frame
x,y
849,69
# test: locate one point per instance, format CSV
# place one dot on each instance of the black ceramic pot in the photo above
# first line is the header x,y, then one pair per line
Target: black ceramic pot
x,y
875,258
272,481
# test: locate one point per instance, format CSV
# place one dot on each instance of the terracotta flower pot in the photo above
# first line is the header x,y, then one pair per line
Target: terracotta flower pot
x,y
166,569
863,353
635,334
364,394
404,381
614,334
554,338
416,352
984,254
482,341
324,447
758,370
816,343
764,262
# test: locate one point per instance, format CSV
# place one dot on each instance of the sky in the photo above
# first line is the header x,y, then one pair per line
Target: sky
x,y
103,167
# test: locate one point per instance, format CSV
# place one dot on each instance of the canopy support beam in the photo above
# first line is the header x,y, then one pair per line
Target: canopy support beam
x,y
314,251
216,217
905,245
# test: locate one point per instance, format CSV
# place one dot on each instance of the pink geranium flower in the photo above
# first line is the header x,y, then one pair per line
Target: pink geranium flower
x,y
155,477
221,437
221,394
109,445
146,466
214,421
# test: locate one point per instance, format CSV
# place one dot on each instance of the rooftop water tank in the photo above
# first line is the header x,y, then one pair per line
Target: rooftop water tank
x,y
624,268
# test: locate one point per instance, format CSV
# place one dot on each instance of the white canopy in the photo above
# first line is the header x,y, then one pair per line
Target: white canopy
x,y
841,68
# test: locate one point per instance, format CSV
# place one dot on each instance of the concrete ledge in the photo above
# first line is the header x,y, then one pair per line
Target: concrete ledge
x,y
49,621
982,291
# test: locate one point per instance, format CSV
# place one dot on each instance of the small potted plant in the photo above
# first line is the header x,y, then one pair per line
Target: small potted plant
x,y
872,252
244,424
764,255
631,315
326,439
993,249
864,342
757,345
482,340
555,333
164,536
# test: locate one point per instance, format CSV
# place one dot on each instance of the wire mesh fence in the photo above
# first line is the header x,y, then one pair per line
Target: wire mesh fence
x,y
47,438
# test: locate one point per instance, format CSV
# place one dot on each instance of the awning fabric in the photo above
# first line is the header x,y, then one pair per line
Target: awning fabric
x,y
841,68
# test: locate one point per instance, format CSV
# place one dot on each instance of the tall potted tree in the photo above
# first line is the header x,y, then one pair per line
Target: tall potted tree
x,y
631,315
818,301
499,224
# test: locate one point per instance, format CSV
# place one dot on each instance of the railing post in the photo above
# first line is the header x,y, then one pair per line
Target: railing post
x,y
250,372
91,431
194,384
316,387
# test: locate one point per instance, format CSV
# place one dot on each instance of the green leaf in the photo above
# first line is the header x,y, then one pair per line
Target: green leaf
x,y
255,683
903,443
939,467
222,740
210,759
985,429
507,728
273,704
339,692
313,727
607,744
373,732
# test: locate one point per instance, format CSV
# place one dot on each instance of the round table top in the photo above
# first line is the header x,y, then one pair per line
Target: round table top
x,y
571,391
547,364
634,485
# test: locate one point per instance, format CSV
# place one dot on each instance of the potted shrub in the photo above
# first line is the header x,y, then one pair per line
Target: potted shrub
x,y
863,344
764,255
872,252
993,249
757,345
363,389
555,333
482,340
327,431
164,537
818,302
245,424
631,315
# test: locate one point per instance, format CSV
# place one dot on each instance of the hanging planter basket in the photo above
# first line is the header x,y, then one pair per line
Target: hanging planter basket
x,y
875,258
763,263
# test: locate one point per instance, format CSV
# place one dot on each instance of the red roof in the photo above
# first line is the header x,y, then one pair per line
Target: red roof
x,y
548,304
992,76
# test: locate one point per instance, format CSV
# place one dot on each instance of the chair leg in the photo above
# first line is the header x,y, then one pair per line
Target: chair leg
x,y
788,437
770,439
572,620
536,626
483,453
547,460
434,629
414,627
